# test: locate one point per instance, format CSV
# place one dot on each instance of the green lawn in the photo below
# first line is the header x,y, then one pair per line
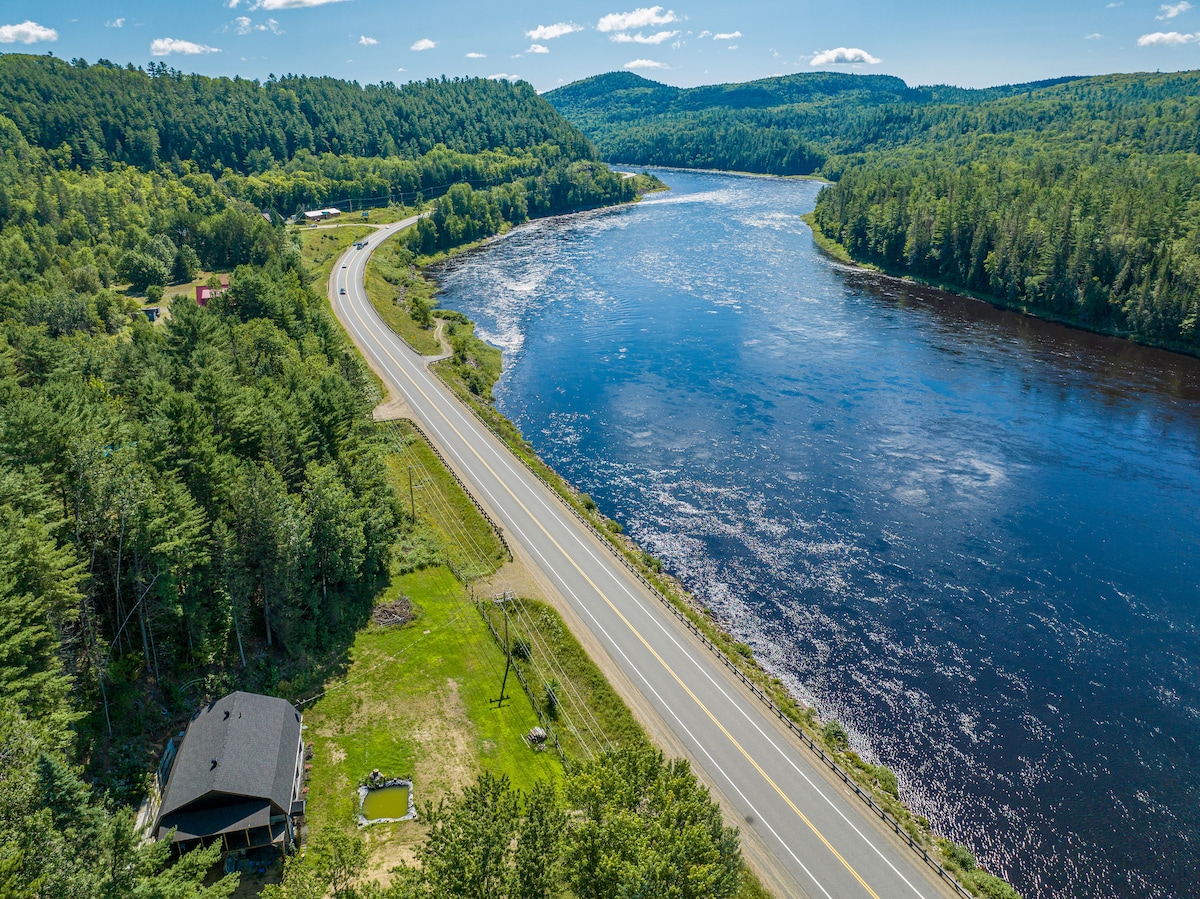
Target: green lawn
x,y
415,701
461,536
585,713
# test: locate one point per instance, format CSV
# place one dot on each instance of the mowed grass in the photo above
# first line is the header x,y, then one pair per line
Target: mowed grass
x,y
415,701
320,247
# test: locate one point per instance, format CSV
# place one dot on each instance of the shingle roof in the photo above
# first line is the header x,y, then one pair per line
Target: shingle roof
x,y
209,822
240,747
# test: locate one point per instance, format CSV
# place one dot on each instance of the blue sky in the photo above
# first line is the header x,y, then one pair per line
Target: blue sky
x,y
690,42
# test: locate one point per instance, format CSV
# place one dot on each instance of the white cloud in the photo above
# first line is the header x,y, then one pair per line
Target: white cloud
x,y
423,44
727,36
1094,36
639,38
116,23
549,32
473,55
538,48
504,76
367,41
1171,10
164,46
244,25
232,4
27,33
844,56
645,64
290,4
703,34
1115,5
1167,39
639,18
402,69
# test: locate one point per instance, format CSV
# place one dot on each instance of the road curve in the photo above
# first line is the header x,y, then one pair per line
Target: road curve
x,y
824,844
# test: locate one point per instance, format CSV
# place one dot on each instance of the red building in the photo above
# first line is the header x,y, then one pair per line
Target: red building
x,y
204,293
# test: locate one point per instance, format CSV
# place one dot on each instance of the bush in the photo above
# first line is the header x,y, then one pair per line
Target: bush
x,y
836,736
652,563
520,648
990,886
960,856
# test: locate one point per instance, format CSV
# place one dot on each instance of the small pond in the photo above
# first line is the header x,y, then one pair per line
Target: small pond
x,y
392,801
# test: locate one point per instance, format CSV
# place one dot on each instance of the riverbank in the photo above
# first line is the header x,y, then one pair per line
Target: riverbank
x,y
841,254
827,738
820,179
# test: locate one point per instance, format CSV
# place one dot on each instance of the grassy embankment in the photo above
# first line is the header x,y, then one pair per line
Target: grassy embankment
x,y
471,372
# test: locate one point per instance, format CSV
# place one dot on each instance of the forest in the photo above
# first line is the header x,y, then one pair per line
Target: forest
x,y
1073,199
200,504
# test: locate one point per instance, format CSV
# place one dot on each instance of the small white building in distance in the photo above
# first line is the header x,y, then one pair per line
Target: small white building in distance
x,y
318,215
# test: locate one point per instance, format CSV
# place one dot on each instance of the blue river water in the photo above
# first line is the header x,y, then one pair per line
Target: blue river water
x,y
971,536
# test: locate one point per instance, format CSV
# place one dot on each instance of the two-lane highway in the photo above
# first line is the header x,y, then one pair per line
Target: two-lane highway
x,y
824,842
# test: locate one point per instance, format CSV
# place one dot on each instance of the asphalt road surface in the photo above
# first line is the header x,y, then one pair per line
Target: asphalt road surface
x,y
819,839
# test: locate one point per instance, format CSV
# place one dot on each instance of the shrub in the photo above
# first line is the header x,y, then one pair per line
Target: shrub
x,y
958,855
520,648
990,886
836,736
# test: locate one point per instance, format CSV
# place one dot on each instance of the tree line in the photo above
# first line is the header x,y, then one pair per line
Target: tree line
x,y
627,824
464,215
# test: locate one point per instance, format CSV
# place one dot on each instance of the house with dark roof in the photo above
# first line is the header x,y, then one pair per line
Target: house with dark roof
x,y
237,777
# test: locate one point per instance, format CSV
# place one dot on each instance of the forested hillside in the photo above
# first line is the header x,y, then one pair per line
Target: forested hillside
x,y
1075,199
103,113
199,504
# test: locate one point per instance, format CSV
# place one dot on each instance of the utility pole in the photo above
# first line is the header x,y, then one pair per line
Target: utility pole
x,y
501,602
411,498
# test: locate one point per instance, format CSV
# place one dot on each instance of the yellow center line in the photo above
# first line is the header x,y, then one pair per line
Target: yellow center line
x,y
620,615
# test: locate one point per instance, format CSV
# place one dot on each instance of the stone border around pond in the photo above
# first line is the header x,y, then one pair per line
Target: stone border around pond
x,y
363,821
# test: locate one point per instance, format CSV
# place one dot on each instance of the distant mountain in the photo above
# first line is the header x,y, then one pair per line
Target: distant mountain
x,y
799,124
757,126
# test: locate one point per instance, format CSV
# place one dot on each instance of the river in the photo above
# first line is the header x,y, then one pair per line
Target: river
x,y
971,536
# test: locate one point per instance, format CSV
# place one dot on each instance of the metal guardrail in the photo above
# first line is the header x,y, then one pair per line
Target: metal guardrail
x,y
831,763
